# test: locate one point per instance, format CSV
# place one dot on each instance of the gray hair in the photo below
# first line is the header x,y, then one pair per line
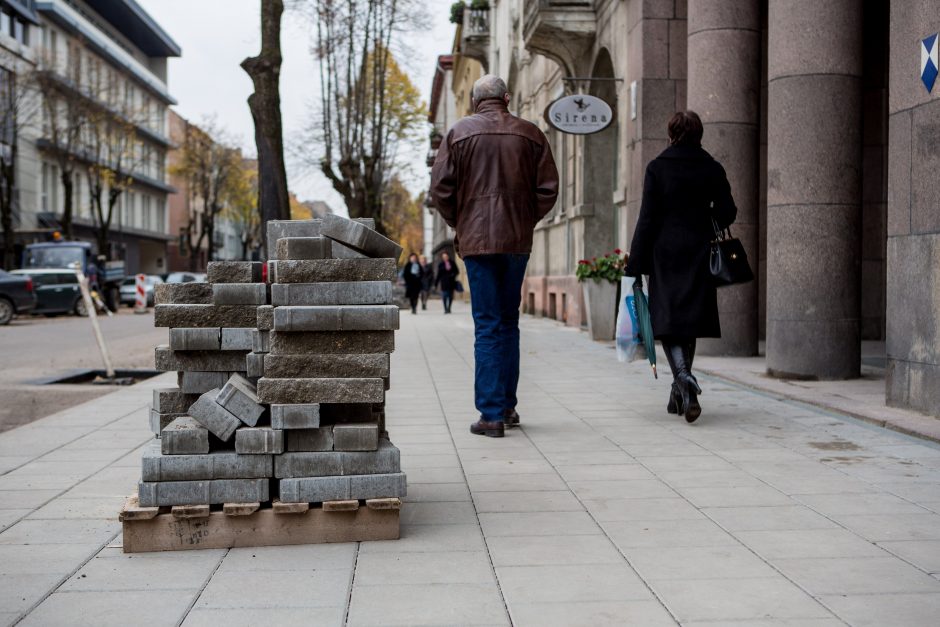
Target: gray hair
x,y
489,86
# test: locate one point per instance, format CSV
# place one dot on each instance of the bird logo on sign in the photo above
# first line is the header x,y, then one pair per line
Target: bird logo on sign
x,y
581,104
929,66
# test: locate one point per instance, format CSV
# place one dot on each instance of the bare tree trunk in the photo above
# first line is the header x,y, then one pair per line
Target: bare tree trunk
x,y
67,210
265,104
6,213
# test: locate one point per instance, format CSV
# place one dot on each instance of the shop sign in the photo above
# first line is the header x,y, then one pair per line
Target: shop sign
x,y
579,114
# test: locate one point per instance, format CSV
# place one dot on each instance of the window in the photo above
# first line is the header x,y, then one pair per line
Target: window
x,y
6,23
148,217
8,114
20,31
44,196
161,214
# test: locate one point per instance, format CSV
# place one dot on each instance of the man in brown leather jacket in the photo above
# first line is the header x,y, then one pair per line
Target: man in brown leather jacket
x,y
494,178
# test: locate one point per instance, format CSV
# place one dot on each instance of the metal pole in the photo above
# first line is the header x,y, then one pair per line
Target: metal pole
x,y
93,315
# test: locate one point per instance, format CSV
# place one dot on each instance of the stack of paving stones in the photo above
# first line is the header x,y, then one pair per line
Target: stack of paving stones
x,y
281,389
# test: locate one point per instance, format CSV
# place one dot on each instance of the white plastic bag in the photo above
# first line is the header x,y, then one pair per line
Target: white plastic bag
x,y
630,345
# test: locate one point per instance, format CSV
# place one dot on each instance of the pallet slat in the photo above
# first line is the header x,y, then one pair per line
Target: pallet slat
x,y
189,511
340,506
133,511
166,532
240,509
289,508
388,503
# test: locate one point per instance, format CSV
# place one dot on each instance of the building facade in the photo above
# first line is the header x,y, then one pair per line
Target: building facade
x,y
108,58
828,132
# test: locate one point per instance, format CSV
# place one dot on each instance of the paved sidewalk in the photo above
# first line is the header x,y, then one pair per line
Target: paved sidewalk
x,y
603,509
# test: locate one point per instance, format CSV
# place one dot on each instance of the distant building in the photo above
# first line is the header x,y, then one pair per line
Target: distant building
x,y
112,56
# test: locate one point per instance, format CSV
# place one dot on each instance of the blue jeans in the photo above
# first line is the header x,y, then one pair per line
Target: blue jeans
x,y
495,295
448,297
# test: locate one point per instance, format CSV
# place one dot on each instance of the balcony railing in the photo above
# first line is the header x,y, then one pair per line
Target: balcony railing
x,y
475,35
560,29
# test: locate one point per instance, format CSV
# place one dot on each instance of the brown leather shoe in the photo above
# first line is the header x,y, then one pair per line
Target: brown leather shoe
x,y
491,429
512,419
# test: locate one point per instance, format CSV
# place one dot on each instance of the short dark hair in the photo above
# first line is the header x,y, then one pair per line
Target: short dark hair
x,y
685,129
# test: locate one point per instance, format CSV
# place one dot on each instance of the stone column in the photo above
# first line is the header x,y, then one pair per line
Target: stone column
x,y
814,188
724,89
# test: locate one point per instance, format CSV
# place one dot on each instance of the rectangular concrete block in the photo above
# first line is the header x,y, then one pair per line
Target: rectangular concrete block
x,y
218,420
356,236
304,248
336,318
335,293
312,366
160,421
319,489
325,270
208,339
305,440
172,400
212,492
239,294
278,229
356,436
156,466
237,339
301,391
184,436
196,383
260,341
203,316
305,416
182,294
233,272
264,319
341,251
204,361
239,398
255,364
259,441
385,460
332,342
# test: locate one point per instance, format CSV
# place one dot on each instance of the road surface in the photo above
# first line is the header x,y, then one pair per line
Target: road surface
x,y
36,347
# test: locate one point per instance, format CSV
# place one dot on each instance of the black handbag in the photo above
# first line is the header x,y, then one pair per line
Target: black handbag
x,y
727,261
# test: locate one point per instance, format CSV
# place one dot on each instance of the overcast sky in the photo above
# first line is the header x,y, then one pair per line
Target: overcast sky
x,y
216,35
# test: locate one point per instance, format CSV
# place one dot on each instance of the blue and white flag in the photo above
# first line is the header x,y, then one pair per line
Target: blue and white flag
x,y
928,61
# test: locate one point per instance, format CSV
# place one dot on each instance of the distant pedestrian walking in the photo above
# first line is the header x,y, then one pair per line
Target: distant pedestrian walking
x,y
684,190
427,280
446,280
412,276
494,178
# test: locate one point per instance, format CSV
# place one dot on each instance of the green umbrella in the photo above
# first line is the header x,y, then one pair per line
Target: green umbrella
x,y
644,324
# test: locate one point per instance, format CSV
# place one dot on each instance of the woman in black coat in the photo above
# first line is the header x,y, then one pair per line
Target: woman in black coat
x,y
447,274
684,190
411,273
427,280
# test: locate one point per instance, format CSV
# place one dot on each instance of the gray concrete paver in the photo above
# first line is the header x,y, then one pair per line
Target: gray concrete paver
x,y
106,609
543,614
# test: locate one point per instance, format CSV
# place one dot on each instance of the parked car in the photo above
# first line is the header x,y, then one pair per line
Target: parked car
x,y
129,289
185,277
57,291
16,296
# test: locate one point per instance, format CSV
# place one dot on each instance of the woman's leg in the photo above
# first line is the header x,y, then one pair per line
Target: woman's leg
x,y
424,299
678,353
414,303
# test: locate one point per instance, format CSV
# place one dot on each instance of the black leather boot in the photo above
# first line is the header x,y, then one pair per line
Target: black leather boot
x,y
674,406
688,386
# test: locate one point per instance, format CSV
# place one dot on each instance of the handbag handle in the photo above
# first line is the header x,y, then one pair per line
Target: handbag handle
x,y
721,234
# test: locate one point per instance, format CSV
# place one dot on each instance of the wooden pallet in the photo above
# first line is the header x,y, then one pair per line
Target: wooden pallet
x,y
187,527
